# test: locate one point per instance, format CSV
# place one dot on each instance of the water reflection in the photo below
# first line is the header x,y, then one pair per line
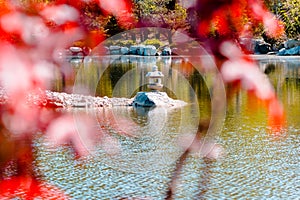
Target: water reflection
x,y
285,77
124,76
256,165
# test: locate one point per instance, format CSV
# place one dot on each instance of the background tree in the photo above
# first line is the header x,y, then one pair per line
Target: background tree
x,y
161,13
289,13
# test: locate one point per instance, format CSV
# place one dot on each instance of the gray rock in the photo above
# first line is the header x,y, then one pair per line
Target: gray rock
x,y
124,50
289,52
263,48
291,44
140,50
152,99
166,51
149,50
256,43
143,99
133,50
115,50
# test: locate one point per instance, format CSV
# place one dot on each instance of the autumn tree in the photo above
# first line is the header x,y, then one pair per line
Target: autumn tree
x,y
289,12
161,13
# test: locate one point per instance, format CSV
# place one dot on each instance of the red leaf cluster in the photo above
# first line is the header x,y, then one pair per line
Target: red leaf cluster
x,y
228,17
228,20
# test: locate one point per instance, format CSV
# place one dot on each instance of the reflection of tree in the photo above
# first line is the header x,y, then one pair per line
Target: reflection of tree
x,y
290,92
202,147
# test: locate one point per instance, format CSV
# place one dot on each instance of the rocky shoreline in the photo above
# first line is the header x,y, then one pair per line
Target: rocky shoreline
x,y
261,47
61,99
257,46
65,100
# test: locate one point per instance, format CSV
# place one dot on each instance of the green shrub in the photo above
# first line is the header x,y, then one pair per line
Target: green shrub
x,y
109,43
125,43
289,13
122,43
155,42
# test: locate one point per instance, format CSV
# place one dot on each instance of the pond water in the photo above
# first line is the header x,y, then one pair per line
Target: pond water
x,y
256,165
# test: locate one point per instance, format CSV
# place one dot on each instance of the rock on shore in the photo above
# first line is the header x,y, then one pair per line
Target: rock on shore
x,y
152,99
289,52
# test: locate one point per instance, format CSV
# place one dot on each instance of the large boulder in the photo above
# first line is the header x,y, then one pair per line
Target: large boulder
x,y
133,50
149,50
143,99
152,99
124,50
289,52
115,50
291,44
140,50
263,48
259,45
166,51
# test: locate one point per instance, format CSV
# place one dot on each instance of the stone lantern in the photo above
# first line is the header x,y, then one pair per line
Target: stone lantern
x,y
155,78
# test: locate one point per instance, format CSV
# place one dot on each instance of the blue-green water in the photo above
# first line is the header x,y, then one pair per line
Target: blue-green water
x,y
256,165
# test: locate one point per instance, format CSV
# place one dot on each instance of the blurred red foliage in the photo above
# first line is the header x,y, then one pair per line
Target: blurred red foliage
x,y
28,188
30,35
228,17
225,20
276,116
